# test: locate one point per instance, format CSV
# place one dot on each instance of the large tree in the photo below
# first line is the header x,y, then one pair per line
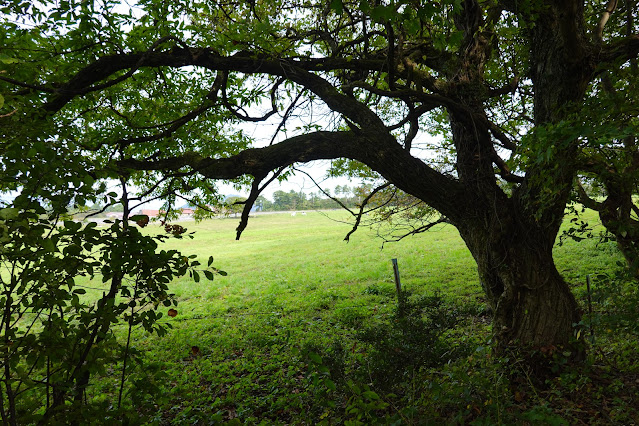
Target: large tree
x,y
160,93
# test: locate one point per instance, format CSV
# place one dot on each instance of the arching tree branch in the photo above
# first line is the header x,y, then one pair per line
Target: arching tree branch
x,y
245,62
389,159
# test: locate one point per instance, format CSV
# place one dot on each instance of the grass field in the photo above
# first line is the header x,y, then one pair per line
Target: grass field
x,y
285,337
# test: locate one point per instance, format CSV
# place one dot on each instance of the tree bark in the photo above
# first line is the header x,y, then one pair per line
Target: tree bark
x,y
615,213
532,304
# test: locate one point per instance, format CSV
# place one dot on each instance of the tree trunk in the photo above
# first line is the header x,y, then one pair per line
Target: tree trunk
x,y
616,215
533,306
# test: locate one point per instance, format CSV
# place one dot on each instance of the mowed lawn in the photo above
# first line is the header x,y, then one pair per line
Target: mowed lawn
x,y
237,347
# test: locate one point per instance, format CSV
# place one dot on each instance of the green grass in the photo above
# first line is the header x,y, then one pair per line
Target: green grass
x,y
295,290
286,261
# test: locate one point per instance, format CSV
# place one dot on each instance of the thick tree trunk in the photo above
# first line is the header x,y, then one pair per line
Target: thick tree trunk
x,y
511,239
532,304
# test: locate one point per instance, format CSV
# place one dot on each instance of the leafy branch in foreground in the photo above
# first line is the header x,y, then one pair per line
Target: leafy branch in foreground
x,y
57,331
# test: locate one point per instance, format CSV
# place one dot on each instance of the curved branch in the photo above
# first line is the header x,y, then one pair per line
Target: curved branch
x,y
506,142
28,86
504,170
585,199
387,158
175,124
211,96
510,87
413,115
358,217
246,117
337,200
256,190
286,115
298,70
418,230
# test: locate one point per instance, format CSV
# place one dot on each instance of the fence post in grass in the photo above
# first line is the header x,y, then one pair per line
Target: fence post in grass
x,y
592,330
398,287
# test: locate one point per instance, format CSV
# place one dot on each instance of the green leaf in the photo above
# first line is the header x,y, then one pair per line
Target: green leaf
x,y
370,395
9,213
337,6
48,245
383,13
196,277
330,384
315,358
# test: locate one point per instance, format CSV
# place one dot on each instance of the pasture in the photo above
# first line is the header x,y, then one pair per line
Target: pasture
x,y
305,329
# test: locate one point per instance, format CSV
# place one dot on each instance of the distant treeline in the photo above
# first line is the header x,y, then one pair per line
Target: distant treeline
x,y
282,201
292,200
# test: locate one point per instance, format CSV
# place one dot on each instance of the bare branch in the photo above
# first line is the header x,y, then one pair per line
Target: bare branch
x,y
9,114
244,117
417,230
506,142
337,200
28,86
511,87
286,116
256,190
358,217
505,172
413,115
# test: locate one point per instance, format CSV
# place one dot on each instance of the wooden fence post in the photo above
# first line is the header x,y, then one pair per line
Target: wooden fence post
x,y
398,286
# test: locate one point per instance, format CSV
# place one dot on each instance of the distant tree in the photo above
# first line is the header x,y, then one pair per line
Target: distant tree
x,y
235,205
263,204
282,201
115,208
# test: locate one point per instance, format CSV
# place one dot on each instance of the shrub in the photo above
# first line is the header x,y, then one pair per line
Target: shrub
x,y
413,338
